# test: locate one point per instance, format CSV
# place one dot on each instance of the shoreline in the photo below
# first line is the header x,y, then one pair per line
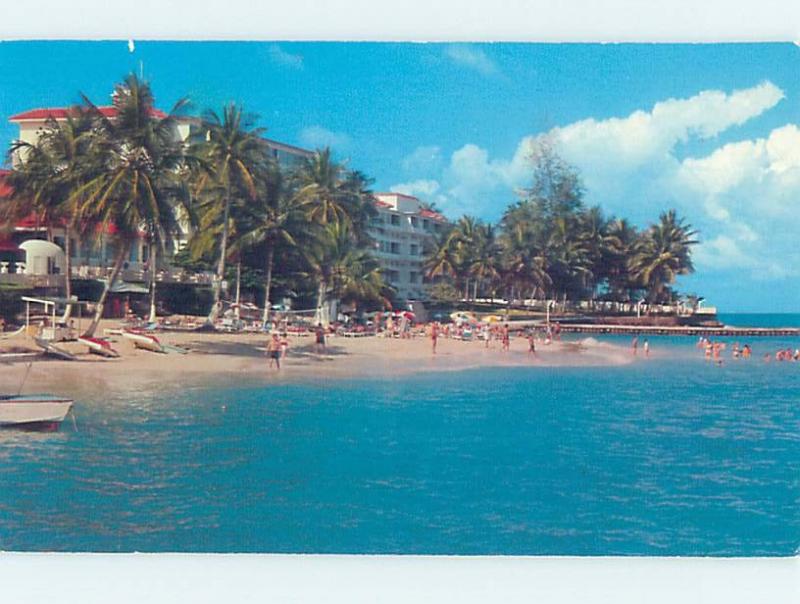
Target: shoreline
x,y
230,358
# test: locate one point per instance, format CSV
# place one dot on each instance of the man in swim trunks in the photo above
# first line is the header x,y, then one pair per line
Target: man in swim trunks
x,y
274,351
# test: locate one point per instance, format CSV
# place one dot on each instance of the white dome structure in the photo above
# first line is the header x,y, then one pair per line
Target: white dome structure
x,y
43,257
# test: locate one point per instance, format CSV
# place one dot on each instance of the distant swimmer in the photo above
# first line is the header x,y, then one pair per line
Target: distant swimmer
x,y
635,345
646,347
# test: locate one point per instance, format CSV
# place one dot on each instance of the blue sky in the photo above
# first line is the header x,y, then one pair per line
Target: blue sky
x,y
708,129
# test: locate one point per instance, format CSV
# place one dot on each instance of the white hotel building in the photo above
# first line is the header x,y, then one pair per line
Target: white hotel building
x,y
400,231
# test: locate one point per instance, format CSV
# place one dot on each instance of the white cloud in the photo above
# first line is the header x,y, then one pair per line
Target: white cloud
x,y
426,189
744,196
317,137
286,59
472,57
423,160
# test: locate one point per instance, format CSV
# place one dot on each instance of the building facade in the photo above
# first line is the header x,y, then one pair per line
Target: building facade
x,y
401,229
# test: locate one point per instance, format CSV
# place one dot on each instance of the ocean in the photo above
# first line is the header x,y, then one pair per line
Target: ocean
x,y
667,456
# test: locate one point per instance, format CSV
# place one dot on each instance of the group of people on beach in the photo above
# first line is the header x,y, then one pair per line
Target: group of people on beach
x,y
493,333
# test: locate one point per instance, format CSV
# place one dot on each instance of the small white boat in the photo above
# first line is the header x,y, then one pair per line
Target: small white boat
x,y
33,410
145,341
99,346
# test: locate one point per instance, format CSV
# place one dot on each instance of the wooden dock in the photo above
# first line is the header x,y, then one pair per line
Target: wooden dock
x,y
679,330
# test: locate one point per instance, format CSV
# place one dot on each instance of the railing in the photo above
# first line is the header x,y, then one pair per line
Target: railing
x,y
140,275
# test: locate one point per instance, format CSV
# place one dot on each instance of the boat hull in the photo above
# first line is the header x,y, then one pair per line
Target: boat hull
x,y
143,341
33,410
100,347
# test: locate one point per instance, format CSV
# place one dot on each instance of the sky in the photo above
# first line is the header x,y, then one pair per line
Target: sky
x,y
710,130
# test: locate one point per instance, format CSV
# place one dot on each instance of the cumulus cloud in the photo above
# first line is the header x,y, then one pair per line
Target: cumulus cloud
x,y
286,59
744,195
317,137
471,57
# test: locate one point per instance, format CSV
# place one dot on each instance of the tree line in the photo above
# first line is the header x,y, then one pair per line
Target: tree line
x,y
550,245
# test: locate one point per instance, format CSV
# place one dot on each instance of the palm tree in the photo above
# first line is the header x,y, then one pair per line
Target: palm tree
x,y
323,186
465,235
663,253
440,260
484,261
523,263
619,246
231,150
341,267
274,219
139,153
567,259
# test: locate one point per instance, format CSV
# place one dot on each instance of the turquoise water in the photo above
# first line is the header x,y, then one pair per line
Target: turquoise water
x,y
671,456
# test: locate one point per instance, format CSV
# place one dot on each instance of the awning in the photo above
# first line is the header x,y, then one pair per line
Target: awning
x,y
124,287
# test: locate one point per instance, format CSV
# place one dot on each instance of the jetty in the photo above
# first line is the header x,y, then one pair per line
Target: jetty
x,y
679,330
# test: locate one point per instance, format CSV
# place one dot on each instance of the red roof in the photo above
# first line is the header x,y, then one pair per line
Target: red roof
x,y
432,215
61,113
382,204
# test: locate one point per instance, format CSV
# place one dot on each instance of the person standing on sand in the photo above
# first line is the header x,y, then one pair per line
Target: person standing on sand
x,y
532,343
635,345
274,351
434,335
319,333
506,338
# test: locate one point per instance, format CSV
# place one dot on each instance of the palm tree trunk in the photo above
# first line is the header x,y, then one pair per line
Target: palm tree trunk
x,y
237,312
98,313
67,266
153,265
320,300
214,313
268,283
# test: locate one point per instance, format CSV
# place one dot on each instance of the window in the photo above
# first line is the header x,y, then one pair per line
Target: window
x,y
395,220
414,249
395,247
413,277
426,224
414,222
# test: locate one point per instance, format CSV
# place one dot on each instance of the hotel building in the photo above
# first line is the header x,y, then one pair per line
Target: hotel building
x,y
400,230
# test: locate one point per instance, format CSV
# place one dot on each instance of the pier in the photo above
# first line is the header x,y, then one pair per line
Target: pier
x,y
679,330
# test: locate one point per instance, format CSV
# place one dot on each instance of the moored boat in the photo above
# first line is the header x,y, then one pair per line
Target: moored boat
x,y
45,411
99,346
144,341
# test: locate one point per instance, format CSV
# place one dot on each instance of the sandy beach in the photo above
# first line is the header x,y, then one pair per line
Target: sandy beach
x,y
219,358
